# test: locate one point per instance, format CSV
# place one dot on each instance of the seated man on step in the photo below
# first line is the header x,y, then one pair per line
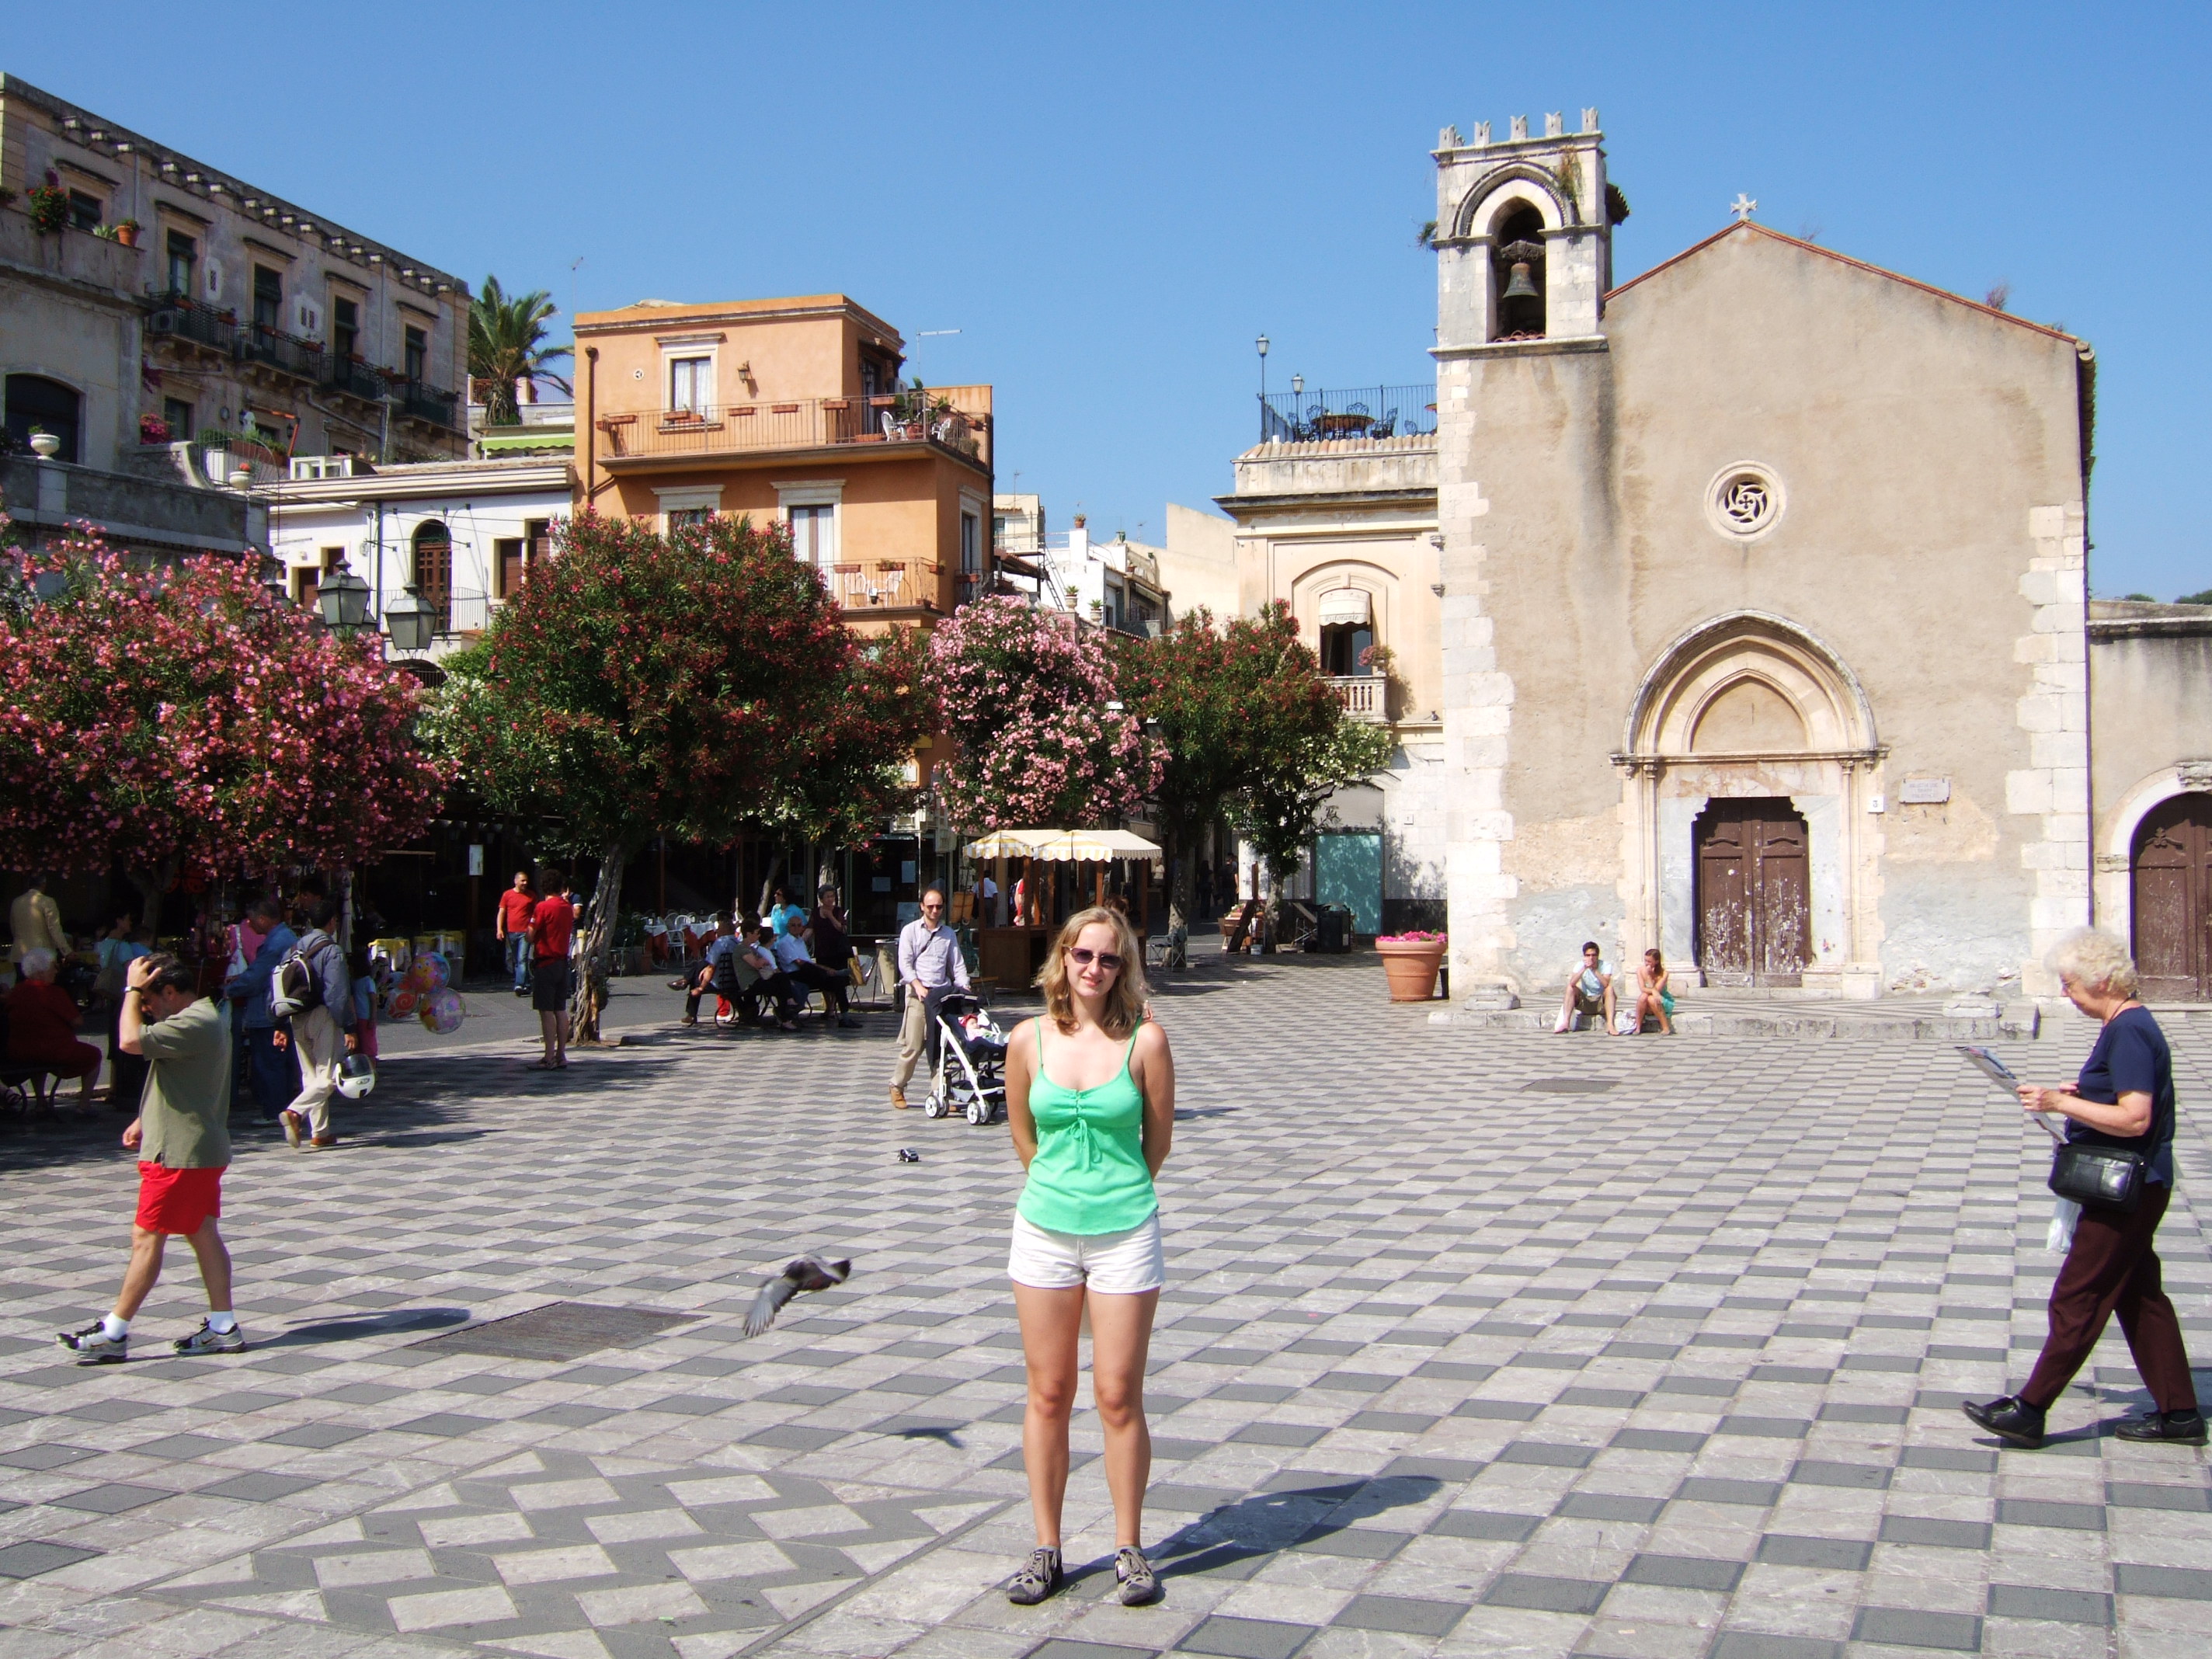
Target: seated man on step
x,y
1589,991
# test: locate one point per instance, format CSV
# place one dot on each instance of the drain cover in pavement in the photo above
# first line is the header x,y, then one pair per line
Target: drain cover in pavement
x,y
1568,1085
559,1330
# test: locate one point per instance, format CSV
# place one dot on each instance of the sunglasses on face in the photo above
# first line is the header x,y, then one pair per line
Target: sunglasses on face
x,y
932,907
1083,956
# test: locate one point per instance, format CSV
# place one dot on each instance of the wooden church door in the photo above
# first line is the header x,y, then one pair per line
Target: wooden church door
x,y
1754,893
2172,876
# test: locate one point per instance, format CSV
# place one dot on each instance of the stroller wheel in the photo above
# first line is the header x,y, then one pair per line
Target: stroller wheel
x,y
979,1111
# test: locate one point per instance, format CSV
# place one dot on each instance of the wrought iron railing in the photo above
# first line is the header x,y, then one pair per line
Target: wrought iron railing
x,y
427,403
1375,411
956,418
259,344
354,380
178,318
884,584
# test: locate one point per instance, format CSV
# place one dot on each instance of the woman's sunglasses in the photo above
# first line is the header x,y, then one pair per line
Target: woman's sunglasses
x,y
1083,956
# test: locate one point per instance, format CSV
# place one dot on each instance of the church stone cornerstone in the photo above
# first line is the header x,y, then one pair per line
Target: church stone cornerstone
x,y
2053,788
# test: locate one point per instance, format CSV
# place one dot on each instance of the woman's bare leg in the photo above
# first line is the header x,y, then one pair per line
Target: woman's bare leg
x,y
1120,1337
1049,1320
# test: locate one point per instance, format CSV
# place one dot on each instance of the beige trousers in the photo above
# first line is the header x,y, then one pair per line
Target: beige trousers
x,y
315,1036
914,1035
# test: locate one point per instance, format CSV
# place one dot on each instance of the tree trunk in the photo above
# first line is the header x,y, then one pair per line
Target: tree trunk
x,y
768,881
151,885
1183,894
1276,883
589,994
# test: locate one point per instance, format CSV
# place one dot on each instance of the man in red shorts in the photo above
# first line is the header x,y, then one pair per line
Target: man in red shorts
x,y
182,1137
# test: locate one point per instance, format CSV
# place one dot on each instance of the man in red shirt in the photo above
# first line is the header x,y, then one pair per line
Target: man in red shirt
x,y
552,925
512,929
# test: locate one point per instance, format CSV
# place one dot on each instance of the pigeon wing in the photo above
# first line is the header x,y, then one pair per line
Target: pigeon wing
x,y
769,1302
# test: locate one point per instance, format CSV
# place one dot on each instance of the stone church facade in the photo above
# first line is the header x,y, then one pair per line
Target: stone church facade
x,y
1763,628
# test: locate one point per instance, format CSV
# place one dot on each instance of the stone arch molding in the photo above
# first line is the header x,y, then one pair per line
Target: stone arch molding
x,y
1708,661
1494,196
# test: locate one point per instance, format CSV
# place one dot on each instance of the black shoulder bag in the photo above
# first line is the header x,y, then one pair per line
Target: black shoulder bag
x,y
2098,1177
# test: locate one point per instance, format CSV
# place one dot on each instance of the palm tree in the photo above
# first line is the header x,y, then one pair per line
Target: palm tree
x,y
506,343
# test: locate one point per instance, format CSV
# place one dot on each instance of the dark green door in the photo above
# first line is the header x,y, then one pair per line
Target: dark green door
x,y
1348,871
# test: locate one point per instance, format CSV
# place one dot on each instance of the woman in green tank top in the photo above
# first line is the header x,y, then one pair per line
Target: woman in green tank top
x,y
1090,1100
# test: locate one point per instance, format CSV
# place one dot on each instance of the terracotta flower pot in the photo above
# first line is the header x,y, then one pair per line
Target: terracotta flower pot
x,y
1411,966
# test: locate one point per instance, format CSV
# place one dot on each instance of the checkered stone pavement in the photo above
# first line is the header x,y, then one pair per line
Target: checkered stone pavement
x,y
1475,1342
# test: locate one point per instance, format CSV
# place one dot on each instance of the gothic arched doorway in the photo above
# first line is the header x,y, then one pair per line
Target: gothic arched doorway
x,y
1754,892
2171,873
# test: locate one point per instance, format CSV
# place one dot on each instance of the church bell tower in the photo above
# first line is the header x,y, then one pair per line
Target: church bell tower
x,y
1524,234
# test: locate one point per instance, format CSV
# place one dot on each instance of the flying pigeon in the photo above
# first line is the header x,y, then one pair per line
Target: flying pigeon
x,y
808,1273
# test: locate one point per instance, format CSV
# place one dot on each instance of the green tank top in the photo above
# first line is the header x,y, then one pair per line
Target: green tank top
x,y
1089,1175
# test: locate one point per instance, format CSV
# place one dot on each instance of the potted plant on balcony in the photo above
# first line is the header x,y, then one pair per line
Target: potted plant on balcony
x,y
126,232
46,444
153,430
49,209
1410,962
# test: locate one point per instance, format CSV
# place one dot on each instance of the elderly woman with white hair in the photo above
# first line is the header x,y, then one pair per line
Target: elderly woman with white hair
x,y
42,1021
2123,1099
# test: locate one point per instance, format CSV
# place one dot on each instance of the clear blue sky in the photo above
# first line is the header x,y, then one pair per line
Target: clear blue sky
x,y
1109,202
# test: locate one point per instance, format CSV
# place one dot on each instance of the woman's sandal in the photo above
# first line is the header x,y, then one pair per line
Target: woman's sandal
x,y
1040,1576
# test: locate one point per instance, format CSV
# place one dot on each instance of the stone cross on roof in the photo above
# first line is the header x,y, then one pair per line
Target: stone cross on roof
x,y
1743,207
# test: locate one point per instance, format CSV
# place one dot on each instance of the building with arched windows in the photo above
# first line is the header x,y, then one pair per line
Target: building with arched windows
x,y
1763,630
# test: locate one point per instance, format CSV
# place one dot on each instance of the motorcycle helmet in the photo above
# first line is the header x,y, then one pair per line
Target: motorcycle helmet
x,y
356,1076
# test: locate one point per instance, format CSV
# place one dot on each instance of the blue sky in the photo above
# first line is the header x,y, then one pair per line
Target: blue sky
x,y
1110,202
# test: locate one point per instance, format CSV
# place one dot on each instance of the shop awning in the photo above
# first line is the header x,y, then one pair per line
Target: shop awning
x,y
1064,846
546,439
1341,605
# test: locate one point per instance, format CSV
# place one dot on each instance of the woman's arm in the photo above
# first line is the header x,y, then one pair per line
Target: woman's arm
x,y
1153,1067
1021,1054
2130,1117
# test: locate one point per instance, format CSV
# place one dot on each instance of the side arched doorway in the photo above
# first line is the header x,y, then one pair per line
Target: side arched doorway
x,y
2170,872
433,572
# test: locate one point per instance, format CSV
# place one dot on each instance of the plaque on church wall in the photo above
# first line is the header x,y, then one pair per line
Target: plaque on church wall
x,y
1924,791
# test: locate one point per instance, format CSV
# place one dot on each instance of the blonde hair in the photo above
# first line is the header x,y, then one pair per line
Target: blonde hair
x,y
1125,999
2095,961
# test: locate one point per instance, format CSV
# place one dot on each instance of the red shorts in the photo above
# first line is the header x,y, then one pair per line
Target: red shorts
x,y
177,1200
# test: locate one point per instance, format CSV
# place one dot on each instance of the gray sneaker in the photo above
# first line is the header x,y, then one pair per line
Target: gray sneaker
x,y
93,1347
208,1340
1039,1577
1140,1585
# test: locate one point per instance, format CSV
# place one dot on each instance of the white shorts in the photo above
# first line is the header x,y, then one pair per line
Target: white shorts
x,y
1125,1263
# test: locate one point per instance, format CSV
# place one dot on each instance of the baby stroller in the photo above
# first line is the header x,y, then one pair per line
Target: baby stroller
x,y
971,1058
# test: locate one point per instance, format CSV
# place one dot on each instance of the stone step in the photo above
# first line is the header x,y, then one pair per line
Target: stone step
x,y
1847,1022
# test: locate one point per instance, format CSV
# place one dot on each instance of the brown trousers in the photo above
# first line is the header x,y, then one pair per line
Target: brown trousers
x,y
2113,1268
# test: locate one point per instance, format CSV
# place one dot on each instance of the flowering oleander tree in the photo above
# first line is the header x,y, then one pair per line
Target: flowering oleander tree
x,y
1251,726
642,685
186,720
1031,709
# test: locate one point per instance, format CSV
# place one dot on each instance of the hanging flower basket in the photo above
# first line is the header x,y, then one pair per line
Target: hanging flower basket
x,y
1410,962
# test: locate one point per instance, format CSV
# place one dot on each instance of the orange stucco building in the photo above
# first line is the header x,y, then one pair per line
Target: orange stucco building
x,y
791,411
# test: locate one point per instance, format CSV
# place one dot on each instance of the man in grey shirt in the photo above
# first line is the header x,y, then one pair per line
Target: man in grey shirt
x,y
929,965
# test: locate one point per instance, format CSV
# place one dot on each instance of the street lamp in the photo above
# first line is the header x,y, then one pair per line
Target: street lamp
x,y
1262,344
411,621
343,600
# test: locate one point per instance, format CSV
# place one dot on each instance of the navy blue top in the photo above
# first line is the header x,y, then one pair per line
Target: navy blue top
x,y
2131,1058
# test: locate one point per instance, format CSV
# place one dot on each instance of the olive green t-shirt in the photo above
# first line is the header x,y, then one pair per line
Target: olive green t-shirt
x,y
184,1117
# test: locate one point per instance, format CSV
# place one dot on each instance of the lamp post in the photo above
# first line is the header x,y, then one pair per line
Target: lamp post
x,y
1261,342
410,622
343,598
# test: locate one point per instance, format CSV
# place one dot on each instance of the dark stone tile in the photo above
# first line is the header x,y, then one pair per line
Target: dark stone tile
x,y
1278,1434
570,1416
46,1454
1447,1469
1683,1572
1757,1644
1454,1370
1625,1350
2057,1606
444,1426
1062,1647
256,1487
1603,1399
1353,1382
1900,1627
1547,1455
1258,1394
315,1435
1814,1374
1834,1554
1245,1638
2178,1583
32,1556
1859,1477
1407,1615
181,1448
1609,1506
1355,1543
2035,1512
111,1499
1390,1422
688,1405
1189,1500
1844,1412
1520,1590
1483,1525
790,1437
1658,1440
1763,1428
1958,1460
1942,1534
2128,1495
1504,1411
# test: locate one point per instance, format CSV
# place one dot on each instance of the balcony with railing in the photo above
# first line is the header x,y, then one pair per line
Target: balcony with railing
x,y
424,402
884,584
956,419
177,317
1312,416
1366,697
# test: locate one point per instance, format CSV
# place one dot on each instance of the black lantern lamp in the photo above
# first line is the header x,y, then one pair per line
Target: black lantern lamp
x,y
410,622
343,600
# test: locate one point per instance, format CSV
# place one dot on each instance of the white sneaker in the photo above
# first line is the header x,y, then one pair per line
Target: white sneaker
x,y
208,1340
93,1347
